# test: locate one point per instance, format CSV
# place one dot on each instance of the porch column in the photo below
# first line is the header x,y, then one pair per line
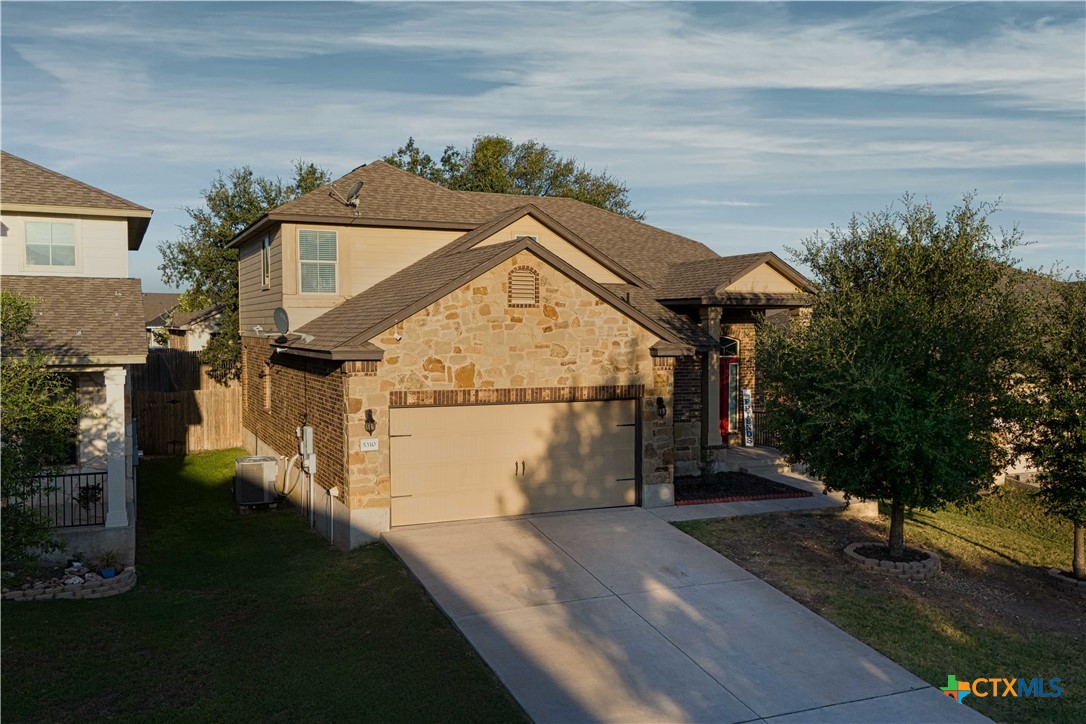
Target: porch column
x,y
710,382
116,505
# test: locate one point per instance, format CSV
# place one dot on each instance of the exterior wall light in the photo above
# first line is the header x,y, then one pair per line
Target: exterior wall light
x,y
371,424
661,408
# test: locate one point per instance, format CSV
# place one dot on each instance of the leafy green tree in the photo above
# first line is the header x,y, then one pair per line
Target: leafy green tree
x,y
898,385
1055,436
495,164
200,263
39,411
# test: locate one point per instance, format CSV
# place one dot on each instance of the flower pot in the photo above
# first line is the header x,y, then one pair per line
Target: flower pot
x,y
107,572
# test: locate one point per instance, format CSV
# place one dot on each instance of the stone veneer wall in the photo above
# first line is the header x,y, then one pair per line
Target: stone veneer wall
x,y
298,385
473,339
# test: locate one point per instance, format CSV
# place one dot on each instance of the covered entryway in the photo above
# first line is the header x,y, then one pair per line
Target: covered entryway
x,y
483,461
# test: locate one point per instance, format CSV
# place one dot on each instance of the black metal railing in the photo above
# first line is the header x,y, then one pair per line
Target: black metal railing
x,y
71,500
762,437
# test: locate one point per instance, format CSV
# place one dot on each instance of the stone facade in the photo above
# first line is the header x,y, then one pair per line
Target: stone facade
x,y
473,340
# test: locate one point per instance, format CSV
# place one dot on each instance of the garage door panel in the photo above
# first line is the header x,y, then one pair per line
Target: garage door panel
x,y
453,463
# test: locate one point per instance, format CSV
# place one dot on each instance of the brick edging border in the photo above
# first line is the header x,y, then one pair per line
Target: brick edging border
x,y
1065,584
745,498
123,582
911,570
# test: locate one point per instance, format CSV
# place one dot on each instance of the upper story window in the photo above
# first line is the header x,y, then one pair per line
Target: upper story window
x,y
50,243
319,258
523,287
265,262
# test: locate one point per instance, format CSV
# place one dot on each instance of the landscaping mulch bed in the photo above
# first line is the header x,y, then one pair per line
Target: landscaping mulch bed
x,y
732,488
882,553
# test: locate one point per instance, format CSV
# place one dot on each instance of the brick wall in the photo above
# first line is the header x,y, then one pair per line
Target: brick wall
x,y
688,389
299,388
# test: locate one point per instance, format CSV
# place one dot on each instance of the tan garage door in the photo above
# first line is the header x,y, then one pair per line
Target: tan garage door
x,y
455,463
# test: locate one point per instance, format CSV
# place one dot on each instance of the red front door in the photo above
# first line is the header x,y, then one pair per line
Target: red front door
x,y
729,396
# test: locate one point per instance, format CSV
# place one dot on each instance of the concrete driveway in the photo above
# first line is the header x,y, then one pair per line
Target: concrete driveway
x,y
615,615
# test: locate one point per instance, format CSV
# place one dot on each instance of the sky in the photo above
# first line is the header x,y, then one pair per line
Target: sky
x,y
747,126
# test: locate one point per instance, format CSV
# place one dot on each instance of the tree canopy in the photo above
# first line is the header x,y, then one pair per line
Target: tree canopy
x,y
899,384
498,165
200,263
1055,433
40,413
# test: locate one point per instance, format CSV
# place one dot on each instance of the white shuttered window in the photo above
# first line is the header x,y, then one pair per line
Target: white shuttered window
x,y
318,255
50,244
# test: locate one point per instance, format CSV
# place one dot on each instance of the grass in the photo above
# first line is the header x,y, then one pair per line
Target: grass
x,y
989,614
243,618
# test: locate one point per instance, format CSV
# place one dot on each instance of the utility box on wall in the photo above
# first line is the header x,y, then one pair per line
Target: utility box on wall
x,y
254,480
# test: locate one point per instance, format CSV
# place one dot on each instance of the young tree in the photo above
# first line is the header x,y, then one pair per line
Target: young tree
x,y
1055,436
496,164
39,413
200,262
897,386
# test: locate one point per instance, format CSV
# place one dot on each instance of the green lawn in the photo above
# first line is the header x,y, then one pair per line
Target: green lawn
x,y
989,614
243,618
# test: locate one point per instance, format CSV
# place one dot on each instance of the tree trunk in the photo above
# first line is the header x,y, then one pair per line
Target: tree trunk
x,y
897,527
1078,564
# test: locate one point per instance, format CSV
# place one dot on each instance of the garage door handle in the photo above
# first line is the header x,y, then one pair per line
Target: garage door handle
x,y
516,468
626,424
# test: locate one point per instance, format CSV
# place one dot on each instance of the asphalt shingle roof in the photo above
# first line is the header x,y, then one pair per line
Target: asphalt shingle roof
x,y
24,182
157,307
83,316
669,266
701,278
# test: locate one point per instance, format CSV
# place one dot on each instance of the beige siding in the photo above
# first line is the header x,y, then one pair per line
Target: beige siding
x,y
366,256
527,226
257,304
101,246
764,279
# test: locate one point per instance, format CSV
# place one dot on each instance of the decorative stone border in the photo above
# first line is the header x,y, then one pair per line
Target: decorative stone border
x,y
1065,584
97,588
913,571
746,498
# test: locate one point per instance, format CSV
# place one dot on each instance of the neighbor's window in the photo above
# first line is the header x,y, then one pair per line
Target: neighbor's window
x,y
50,243
317,253
265,262
523,287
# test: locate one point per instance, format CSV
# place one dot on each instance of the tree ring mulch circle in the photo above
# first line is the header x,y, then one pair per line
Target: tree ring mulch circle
x,y
1065,581
916,565
732,488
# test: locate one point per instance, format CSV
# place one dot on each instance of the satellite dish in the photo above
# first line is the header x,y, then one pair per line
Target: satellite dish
x,y
352,195
282,322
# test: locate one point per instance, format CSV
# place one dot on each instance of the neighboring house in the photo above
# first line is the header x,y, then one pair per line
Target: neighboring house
x,y
157,308
168,327
191,331
463,355
65,245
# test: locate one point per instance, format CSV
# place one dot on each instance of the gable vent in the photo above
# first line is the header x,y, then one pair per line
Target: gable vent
x,y
523,287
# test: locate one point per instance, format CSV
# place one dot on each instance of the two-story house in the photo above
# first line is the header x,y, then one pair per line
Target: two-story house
x,y
65,246
462,355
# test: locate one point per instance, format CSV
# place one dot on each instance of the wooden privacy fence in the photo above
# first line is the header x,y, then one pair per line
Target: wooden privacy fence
x,y
179,409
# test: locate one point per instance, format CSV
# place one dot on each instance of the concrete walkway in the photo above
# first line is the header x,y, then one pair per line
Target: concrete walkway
x,y
615,615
